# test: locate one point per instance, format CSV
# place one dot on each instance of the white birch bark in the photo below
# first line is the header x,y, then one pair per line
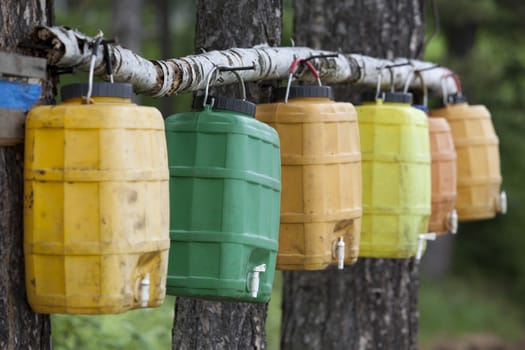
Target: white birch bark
x,y
71,49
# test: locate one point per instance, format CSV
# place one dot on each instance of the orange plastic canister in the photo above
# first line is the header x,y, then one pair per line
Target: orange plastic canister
x,y
321,178
443,156
478,172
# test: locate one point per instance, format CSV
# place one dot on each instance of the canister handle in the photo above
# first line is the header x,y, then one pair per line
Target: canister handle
x,y
380,78
412,76
391,71
293,68
96,44
107,58
234,70
444,89
99,40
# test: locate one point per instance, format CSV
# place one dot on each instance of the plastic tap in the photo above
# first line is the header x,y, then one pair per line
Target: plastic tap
x,y
144,291
502,205
254,279
453,222
340,253
421,241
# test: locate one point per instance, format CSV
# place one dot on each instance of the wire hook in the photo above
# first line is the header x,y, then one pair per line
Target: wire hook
x,y
218,69
293,68
380,78
416,73
98,40
107,58
444,89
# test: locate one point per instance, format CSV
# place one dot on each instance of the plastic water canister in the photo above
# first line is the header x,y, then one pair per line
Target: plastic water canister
x,y
225,184
478,173
396,176
95,203
321,204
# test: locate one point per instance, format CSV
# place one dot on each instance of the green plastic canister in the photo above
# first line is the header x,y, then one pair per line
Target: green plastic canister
x,y
225,184
396,176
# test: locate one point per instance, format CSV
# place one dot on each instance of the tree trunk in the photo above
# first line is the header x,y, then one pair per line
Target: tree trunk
x,y
201,324
162,8
378,28
227,23
372,304
20,328
126,24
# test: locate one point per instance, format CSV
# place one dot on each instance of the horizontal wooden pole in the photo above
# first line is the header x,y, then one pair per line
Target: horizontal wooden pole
x,y
66,48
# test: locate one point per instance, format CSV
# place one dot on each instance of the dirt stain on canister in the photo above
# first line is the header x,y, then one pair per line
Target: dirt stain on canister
x,y
132,196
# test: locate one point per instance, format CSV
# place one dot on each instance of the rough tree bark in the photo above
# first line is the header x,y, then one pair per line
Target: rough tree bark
x,y
162,8
126,24
20,328
201,324
372,304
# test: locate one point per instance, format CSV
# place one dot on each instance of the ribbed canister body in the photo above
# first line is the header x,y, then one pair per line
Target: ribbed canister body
x,y
396,178
95,207
321,179
444,168
478,176
225,183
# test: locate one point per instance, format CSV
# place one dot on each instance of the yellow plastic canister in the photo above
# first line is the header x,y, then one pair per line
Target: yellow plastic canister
x,y
478,171
96,208
321,178
396,176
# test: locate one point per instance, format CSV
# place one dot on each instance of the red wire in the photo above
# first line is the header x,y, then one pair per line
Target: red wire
x,y
294,64
456,80
310,66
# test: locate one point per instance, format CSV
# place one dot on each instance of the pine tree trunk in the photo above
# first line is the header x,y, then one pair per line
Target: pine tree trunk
x,y
203,324
372,304
20,328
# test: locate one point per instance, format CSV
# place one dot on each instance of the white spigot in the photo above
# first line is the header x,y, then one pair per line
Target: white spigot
x,y
144,291
254,278
340,253
421,241
453,222
502,205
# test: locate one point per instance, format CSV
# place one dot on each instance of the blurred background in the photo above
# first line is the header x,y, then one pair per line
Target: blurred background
x,y
472,285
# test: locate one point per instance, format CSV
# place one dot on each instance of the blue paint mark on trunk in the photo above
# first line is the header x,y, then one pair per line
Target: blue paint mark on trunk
x,y
18,95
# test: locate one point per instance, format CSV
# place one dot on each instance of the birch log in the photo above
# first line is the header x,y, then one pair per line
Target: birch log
x,y
66,48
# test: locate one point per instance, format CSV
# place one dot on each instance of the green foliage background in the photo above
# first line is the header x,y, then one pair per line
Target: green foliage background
x,y
137,329
484,42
